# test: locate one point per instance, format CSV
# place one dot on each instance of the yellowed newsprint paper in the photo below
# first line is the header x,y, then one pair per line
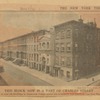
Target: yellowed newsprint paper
x,y
49,50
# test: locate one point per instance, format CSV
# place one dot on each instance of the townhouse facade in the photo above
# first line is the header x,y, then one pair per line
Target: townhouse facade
x,y
36,50
46,50
68,51
76,49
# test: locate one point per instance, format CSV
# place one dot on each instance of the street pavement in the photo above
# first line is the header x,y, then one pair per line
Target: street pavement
x,y
34,77
2,82
16,77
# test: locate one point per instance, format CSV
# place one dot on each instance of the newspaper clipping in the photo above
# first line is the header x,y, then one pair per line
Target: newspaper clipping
x,y
49,50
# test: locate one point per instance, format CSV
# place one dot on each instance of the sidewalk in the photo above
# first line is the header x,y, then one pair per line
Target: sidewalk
x,y
53,80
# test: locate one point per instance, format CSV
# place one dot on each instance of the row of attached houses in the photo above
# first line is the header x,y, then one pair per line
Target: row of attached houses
x,y
33,50
69,50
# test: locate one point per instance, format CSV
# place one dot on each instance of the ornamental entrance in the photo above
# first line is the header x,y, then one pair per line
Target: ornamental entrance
x,y
43,63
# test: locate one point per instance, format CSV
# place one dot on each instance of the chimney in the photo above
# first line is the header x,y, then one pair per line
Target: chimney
x,y
80,20
95,22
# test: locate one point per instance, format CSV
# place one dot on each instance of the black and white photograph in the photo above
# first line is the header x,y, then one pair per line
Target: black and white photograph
x,y
49,48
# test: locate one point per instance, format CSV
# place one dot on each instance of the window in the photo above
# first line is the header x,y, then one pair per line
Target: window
x,y
43,60
87,36
68,74
40,45
68,33
98,35
47,54
40,59
87,48
34,38
24,55
37,47
63,34
57,47
68,61
47,60
34,47
57,60
62,61
43,45
37,39
34,57
62,47
61,73
76,47
76,32
91,37
37,57
47,45
30,47
57,35
76,60
68,47
29,56
34,65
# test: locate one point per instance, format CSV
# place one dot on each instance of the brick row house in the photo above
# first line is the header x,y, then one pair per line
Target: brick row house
x,y
76,49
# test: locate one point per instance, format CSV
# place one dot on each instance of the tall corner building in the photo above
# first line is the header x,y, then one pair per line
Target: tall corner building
x,y
77,49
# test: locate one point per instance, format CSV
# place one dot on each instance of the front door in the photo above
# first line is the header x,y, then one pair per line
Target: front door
x,y
56,72
47,69
68,74
43,63
61,73
76,75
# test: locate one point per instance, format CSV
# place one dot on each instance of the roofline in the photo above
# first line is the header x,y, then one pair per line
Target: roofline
x,y
65,23
33,32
